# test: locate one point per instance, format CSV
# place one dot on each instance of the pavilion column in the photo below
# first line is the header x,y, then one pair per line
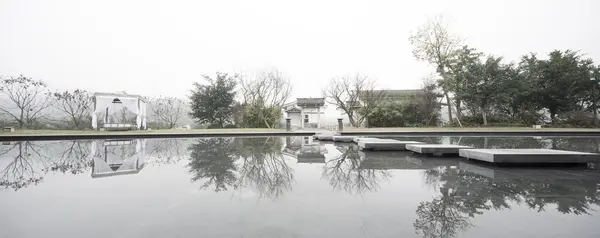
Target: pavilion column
x,y
302,117
318,117
106,116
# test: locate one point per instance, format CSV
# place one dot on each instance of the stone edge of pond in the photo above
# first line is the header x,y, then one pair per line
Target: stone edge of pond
x,y
40,137
490,133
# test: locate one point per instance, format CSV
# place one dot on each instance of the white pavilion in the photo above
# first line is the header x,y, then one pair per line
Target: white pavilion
x,y
107,102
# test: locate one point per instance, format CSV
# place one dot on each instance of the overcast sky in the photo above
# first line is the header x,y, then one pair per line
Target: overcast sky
x,y
160,47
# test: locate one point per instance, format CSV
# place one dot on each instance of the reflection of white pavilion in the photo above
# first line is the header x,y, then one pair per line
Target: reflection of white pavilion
x,y
305,150
117,157
106,102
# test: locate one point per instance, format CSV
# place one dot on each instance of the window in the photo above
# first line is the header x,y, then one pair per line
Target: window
x,y
305,118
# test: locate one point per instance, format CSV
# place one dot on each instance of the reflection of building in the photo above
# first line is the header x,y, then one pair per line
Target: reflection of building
x,y
117,157
305,150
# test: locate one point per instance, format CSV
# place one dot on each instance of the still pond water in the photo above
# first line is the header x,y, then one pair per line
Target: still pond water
x,y
288,187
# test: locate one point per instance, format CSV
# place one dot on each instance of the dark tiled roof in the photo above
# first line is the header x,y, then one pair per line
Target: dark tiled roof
x,y
310,101
293,109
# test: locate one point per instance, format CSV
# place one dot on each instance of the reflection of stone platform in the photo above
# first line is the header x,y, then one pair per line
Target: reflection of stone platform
x,y
343,138
389,145
529,156
530,174
326,136
436,149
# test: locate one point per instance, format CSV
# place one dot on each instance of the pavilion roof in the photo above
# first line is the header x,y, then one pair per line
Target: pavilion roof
x,y
120,95
303,102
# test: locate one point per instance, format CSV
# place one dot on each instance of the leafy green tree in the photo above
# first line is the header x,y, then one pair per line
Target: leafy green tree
x,y
562,81
387,114
483,84
213,102
459,66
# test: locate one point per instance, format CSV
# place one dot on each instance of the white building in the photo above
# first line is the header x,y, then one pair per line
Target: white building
x,y
305,112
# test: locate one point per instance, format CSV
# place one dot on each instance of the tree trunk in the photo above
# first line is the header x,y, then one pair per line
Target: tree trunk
x,y
458,109
552,114
449,104
484,115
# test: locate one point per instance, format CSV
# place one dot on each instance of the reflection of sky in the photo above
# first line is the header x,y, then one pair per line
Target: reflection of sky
x,y
162,202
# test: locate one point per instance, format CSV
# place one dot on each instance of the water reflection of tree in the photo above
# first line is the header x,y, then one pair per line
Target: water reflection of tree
x,y
214,159
463,195
254,163
346,172
20,172
74,158
30,161
166,151
576,144
263,167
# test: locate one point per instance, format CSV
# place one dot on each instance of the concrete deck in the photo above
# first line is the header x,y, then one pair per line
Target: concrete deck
x,y
436,149
529,156
343,138
386,144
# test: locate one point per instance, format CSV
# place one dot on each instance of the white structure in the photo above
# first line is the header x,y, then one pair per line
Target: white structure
x,y
117,157
104,102
304,149
305,112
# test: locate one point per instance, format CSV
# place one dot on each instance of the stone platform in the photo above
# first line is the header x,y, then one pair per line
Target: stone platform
x,y
529,156
385,144
436,149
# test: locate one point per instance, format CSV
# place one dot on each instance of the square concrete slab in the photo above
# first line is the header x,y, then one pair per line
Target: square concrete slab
x,y
343,138
436,149
385,144
529,156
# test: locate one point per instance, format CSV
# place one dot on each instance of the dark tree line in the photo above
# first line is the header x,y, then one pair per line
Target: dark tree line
x,y
484,89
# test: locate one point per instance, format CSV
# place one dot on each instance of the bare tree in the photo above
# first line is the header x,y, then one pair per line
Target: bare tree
x,y
267,92
356,96
168,111
269,88
434,44
26,99
77,106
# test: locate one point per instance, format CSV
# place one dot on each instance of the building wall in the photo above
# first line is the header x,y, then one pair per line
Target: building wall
x,y
295,120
